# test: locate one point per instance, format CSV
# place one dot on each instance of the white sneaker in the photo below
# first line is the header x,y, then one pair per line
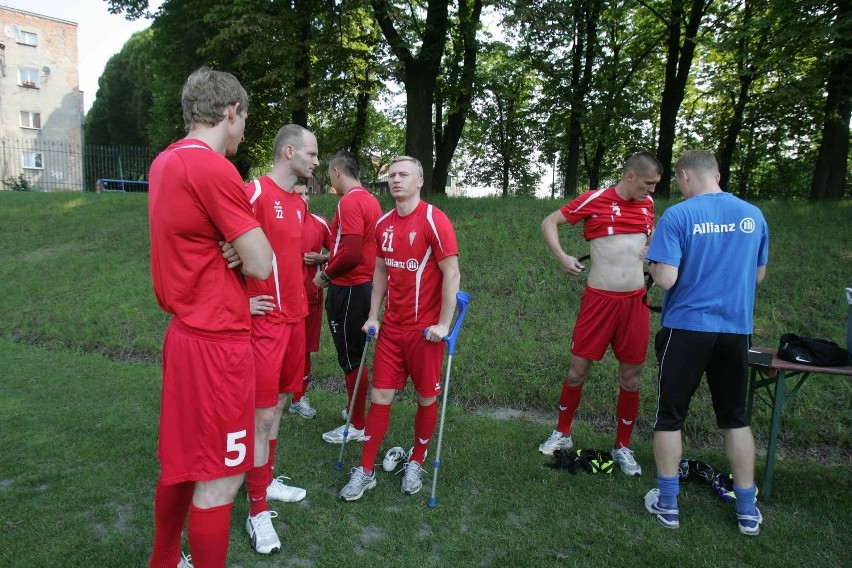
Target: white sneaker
x,y
185,561
358,483
556,441
303,408
624,457
393,458
336,436
412,480
264,539
278,491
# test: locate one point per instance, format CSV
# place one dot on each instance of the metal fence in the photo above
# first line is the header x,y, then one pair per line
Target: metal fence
x,y
48,165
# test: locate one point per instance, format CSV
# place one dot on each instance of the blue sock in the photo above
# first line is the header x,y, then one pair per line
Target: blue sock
x,y
746,500
669,490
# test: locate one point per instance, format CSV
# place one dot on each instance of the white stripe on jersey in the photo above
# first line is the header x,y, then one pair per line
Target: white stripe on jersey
x,y
321,221
257,192
277,285
589,199
337,237
432,224
420,270
382,218
191,146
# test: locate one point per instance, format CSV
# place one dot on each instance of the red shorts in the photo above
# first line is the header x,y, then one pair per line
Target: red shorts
x,y
616,318
279,359
400,353
207,408
313,328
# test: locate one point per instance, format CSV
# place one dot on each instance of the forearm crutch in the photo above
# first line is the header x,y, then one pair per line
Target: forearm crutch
x,y
339,465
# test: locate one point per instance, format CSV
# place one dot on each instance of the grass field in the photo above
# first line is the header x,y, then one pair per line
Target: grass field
x,y
80,338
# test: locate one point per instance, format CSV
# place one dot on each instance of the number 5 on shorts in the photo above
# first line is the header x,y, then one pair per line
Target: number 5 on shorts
x,y
235,446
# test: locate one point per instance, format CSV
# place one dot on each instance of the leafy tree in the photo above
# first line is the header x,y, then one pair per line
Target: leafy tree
x,y
120,113
830,172
502,131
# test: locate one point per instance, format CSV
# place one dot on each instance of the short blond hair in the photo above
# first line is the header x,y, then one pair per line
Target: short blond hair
x,y
415,161
205,95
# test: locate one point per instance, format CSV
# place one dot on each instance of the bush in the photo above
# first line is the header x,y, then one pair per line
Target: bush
x,y
21,183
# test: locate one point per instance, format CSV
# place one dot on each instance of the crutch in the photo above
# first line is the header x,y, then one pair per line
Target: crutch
x,y
462,299
339,465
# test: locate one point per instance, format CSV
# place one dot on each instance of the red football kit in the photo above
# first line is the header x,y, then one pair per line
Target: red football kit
x,y
195,200
356,214
411,248
605,213
316,236
278,336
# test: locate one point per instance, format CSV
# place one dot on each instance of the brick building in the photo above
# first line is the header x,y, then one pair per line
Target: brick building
x,y
41,105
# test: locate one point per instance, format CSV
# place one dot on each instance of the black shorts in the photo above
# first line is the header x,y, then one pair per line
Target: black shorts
x,y
347,308
684,356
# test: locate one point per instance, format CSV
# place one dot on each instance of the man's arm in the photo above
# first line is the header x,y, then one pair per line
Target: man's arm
x,y
255,254
450,269
377,296
665,275
761,273
550,229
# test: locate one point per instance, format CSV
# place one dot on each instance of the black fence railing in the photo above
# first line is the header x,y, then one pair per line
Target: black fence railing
x,y
48,165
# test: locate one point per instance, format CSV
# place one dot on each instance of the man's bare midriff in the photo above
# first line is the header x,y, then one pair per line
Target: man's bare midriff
x,y
617,262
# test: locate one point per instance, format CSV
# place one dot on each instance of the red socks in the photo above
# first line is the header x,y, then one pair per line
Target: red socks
x,y
377,423
257,480
569,401
424,426
208,535
626,410
358,412
171,504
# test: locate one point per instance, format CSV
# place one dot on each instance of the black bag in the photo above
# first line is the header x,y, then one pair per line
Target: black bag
x,y
810,351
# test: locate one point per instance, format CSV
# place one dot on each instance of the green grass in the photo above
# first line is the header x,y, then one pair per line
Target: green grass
x,y
80,338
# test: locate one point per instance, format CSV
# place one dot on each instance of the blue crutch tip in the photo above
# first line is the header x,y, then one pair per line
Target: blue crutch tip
x,y
432,503
338,466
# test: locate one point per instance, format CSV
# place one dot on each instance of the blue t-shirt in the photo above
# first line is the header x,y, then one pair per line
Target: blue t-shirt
x,y
716,241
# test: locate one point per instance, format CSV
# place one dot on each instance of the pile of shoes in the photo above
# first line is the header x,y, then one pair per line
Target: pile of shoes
x,y
721,484
590,461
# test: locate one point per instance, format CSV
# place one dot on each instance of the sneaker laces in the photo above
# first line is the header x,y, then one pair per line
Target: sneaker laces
x,y
359,476
186,560
555,436
264,530
280,479
410,469
625,454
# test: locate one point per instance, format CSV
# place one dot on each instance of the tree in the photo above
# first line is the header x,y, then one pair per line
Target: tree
x,y
120,114
680,49
831,172
501,132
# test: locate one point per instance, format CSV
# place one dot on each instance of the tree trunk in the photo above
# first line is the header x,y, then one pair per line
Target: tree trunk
x,y
419,91
302,62
361,113
446,144
830,173
726,152
678,62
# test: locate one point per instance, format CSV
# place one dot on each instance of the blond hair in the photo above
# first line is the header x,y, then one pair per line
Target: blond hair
x,y
205,95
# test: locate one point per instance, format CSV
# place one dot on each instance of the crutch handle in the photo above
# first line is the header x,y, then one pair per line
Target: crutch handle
x,y
462,299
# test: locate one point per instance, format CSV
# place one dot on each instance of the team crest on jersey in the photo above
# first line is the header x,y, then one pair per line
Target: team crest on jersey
x,y
411,237
279,210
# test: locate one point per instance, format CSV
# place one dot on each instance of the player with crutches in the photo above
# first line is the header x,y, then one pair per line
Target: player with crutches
x,y
417,276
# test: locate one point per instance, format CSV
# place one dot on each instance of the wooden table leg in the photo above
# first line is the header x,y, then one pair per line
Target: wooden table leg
x,y
775,426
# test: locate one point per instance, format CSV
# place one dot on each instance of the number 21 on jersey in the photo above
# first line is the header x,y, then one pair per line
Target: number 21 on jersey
x,y
387,241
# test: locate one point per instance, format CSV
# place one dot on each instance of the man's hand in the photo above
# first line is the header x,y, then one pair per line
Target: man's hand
x,y
314,258
229,253
570,265
437,332
319,281
371,324
259,305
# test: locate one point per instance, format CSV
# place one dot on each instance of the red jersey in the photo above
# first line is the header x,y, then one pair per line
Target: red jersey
x,y
315,237
281,215
195,200
605,213
411,247
357,213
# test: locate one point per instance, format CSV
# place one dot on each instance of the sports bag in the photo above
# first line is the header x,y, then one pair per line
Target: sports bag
x,y
810,351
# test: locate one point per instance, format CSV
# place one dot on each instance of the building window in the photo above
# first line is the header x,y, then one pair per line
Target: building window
x,y
30,119
28,38
32,161
28,77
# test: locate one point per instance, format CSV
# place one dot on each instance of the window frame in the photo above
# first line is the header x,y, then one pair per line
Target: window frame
x,y
36,158
29,83
34,116
23,36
